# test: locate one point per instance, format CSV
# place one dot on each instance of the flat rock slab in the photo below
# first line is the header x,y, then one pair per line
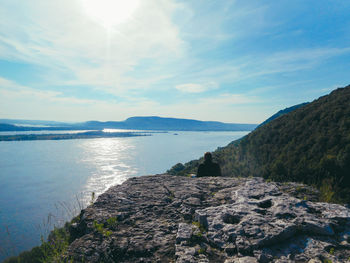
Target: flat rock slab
x,y
163,218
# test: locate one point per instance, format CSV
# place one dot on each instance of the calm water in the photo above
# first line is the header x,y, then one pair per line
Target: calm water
x,y
41,180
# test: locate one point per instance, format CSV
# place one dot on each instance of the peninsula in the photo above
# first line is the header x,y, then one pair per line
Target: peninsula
x,y
70,136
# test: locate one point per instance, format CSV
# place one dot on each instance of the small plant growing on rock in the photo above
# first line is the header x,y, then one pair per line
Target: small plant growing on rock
x,y
198,235
331,251
201,250
112,222
327,191
171,195
75,219
108,233
100,229
201,227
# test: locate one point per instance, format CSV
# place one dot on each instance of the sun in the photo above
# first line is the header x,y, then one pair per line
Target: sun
x,y
110,13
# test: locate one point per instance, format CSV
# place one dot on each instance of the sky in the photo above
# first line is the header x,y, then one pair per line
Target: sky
x,y
231,61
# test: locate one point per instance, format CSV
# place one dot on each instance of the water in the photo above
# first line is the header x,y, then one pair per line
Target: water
x,y
40,178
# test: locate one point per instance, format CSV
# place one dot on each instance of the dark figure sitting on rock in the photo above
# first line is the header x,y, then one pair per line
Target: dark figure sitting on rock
x,y
208,168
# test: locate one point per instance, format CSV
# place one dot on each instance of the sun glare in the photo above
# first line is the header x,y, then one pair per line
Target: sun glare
x,y
110,13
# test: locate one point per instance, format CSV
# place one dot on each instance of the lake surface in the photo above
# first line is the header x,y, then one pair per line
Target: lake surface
x,y
44,183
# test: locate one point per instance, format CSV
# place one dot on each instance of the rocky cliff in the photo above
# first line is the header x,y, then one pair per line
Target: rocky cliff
x,y
164,218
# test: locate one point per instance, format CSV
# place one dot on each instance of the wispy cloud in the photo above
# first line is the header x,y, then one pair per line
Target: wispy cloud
x,y
63,39
15,97
196,88
10,89
273,63
297,59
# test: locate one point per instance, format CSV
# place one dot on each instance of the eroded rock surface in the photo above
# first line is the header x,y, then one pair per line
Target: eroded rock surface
x,y
164,218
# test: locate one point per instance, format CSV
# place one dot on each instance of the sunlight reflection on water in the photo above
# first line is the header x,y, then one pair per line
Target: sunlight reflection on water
x,y
111,163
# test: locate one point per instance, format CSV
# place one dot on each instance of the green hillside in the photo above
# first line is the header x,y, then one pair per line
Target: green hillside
x,y
282,112
310,144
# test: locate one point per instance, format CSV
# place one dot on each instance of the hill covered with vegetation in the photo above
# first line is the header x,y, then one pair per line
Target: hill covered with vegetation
x,y
282,112
310,145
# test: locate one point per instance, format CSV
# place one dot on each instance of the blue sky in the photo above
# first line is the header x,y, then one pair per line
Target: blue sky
x,y
231,61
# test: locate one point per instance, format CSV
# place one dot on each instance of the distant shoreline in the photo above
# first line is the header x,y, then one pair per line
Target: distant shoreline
x,y
71,136
152,123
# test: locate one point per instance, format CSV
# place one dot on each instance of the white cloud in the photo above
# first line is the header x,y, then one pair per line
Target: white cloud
x,y
294,60
251,67
12,90
17,101
196,88
58,35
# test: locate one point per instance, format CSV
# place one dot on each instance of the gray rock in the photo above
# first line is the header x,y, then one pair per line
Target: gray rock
x,y
184,232
165,218
185,254
246,260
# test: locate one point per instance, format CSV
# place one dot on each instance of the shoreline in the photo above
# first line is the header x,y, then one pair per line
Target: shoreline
x,y
71,136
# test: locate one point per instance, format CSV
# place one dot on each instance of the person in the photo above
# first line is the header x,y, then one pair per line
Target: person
x,y
208,168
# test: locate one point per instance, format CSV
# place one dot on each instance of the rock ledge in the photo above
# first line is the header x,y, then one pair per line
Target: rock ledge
x,y
164,218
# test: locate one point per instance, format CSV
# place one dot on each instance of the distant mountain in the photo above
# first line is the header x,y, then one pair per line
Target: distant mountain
x,y
310,144
133,123
282,112
174,124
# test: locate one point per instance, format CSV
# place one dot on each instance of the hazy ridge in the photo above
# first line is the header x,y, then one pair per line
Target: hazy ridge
x,y
133,123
